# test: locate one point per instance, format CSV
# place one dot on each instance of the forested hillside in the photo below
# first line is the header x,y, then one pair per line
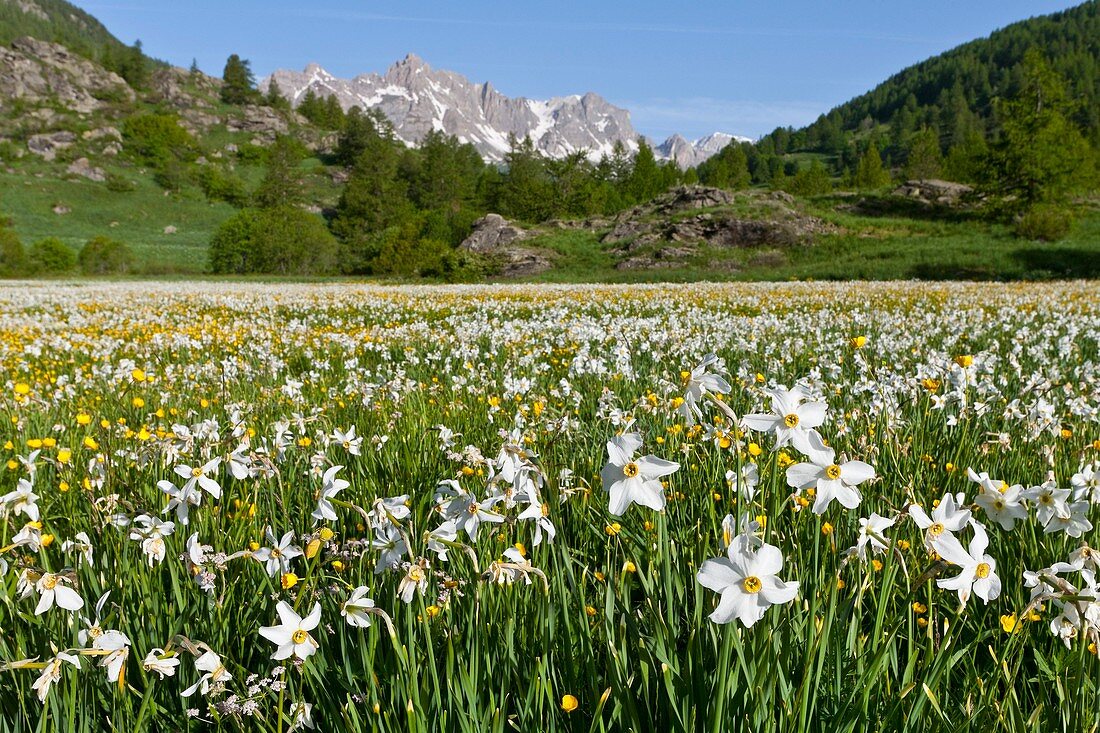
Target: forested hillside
x,y
954,93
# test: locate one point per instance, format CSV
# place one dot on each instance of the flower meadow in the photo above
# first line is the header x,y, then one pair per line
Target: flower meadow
x,y
701,507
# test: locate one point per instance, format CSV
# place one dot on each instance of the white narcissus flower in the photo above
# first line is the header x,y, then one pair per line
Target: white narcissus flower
x,y
748,581
948,516
53,589
330,487
162,662
1049,501
791,418
116,646
201,476
20,501
349,440
81,544
872,533
277,557
180,499
215,674
301,715
1002,503
52,673
703,379
634,481
979,570
292,635
829,479
1075,522
354,609
746,482
416,579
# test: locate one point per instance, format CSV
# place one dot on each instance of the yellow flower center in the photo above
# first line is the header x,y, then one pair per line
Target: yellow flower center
x,y
416,574
982,571
630,470
545,510
49,582
276,552
196,472
791,420
936,529
998,504
299,636
347,445
832,472
752,584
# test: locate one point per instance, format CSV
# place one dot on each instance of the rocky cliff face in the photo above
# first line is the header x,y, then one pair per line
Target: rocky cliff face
x,y
418,99
38,72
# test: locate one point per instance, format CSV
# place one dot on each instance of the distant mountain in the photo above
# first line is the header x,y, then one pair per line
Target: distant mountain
x,y
954,91
417,99
689,154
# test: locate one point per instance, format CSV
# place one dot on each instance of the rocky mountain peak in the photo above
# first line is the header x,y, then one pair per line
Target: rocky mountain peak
x,y
418,99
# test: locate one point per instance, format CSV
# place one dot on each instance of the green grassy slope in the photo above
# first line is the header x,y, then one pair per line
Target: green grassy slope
x,y
894,245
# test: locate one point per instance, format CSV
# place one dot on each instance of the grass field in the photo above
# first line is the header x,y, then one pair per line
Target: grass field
x,y
899,243
555,512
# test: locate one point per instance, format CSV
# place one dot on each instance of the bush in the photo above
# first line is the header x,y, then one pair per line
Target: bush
x,y
50,256
220,185
171,175
1044,222
104,256
13,261
158,139
284,240
119,184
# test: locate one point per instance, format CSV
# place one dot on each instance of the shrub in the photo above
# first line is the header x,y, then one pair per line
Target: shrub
x,y
1044,222
50,256
119,184
158,138
220,185
284,240
104,256
13,261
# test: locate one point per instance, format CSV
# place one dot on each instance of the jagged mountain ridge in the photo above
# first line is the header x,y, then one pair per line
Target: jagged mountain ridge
x,y
687,154
417,99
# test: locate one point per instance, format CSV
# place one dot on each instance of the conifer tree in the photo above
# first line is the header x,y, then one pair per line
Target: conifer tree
x,y
238,83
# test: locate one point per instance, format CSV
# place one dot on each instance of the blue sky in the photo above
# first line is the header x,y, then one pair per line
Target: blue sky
x,y
692,68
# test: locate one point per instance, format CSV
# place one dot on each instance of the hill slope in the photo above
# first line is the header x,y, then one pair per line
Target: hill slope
x,y
953,92
56,21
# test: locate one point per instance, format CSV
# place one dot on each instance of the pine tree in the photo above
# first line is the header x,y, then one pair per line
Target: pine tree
x,y
239,84
194,70
526,192
870,173
1039,155
282,182
645,177
310,107
358,131
924,160
275,97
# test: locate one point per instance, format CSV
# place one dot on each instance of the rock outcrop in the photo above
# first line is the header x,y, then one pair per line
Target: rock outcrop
x,y
934,191
39,72
48,144
83,167
665,232
495,237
